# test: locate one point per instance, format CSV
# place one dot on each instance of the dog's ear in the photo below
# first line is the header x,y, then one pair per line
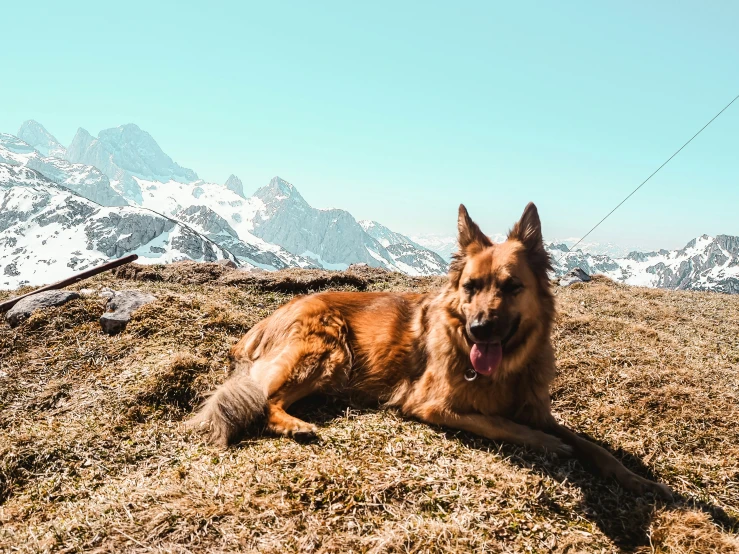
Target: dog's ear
x,y
528,229
469,237
471,240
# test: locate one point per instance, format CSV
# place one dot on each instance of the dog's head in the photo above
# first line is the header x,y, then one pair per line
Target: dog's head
x,y
502,290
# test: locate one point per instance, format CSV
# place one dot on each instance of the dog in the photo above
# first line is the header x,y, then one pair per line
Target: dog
x,y
476,356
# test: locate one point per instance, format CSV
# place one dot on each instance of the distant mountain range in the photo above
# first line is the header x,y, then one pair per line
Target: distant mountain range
x,y
63,209
119,193
705,263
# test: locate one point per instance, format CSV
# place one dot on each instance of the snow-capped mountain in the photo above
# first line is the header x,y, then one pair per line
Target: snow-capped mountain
x,y
34,134
273,229
278,222
127,148
564,259
222,215
383,235
445,245
63,209
599,248
404,251
705,263
85,180
253,251
333,238
48,232
328,237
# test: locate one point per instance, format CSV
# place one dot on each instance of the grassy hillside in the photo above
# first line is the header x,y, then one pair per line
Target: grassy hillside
x,y
93,455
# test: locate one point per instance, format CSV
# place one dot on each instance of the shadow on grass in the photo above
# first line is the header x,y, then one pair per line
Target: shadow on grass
x,y
622,516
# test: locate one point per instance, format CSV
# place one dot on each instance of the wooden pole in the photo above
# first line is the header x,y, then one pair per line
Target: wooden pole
x,y
82,275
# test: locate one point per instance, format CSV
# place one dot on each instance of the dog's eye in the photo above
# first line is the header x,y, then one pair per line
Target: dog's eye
x,y
512,286
469,287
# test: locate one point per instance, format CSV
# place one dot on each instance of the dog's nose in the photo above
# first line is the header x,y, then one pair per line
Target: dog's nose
x,y
482,329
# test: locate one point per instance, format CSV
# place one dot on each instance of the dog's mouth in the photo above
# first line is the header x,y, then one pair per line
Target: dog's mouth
x,y
486,357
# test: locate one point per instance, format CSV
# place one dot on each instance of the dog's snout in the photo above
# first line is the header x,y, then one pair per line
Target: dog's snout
x,y
481,329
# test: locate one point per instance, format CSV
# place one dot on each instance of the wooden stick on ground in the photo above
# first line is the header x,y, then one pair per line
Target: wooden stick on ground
x,y
5,306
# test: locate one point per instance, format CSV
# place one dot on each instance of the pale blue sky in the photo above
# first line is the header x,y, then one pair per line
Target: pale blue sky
x,y
398,111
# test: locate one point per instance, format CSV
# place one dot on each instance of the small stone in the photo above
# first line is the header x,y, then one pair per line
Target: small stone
x,y
106,292
121,307
47,299
87,292
576,275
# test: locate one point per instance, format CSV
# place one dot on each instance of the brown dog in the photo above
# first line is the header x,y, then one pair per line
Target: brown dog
x,y
475,356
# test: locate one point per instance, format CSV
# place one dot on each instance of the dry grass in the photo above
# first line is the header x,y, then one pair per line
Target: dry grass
x,y
93,455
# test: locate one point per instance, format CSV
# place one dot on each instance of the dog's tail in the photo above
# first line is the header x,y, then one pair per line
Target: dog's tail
x,y
233,407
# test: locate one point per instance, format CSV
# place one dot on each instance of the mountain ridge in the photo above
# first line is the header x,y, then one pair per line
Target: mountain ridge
x,y
48,231
277,228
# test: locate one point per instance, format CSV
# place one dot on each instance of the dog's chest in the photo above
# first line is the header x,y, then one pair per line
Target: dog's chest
x,y
487,396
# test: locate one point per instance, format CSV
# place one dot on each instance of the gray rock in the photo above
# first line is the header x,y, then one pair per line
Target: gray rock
x,y
106,292
575,275
23,309
121,307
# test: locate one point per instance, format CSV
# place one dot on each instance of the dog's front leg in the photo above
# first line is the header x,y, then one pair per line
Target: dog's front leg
x,y
606,464
492,427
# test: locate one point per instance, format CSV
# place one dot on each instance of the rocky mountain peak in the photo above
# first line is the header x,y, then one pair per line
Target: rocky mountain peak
x,y
279,190
130,149
562,247
233,183
79,145
280,185
33,133
729,243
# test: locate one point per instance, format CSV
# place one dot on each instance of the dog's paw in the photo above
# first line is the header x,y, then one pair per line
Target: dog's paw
x,y
305,435
562,449
639,485
552,444
301,431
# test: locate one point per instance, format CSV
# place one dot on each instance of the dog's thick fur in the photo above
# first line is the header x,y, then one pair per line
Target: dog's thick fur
x,y
411,351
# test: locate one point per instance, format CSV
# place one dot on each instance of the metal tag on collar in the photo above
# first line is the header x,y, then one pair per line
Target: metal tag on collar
x,y
470,374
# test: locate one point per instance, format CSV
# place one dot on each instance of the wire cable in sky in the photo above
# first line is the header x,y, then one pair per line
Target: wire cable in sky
x,y
647,179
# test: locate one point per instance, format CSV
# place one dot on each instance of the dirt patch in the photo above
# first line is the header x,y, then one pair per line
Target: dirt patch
x,y
190,273
297,281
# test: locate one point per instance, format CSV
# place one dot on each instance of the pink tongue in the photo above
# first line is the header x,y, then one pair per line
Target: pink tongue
x,y
486,358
